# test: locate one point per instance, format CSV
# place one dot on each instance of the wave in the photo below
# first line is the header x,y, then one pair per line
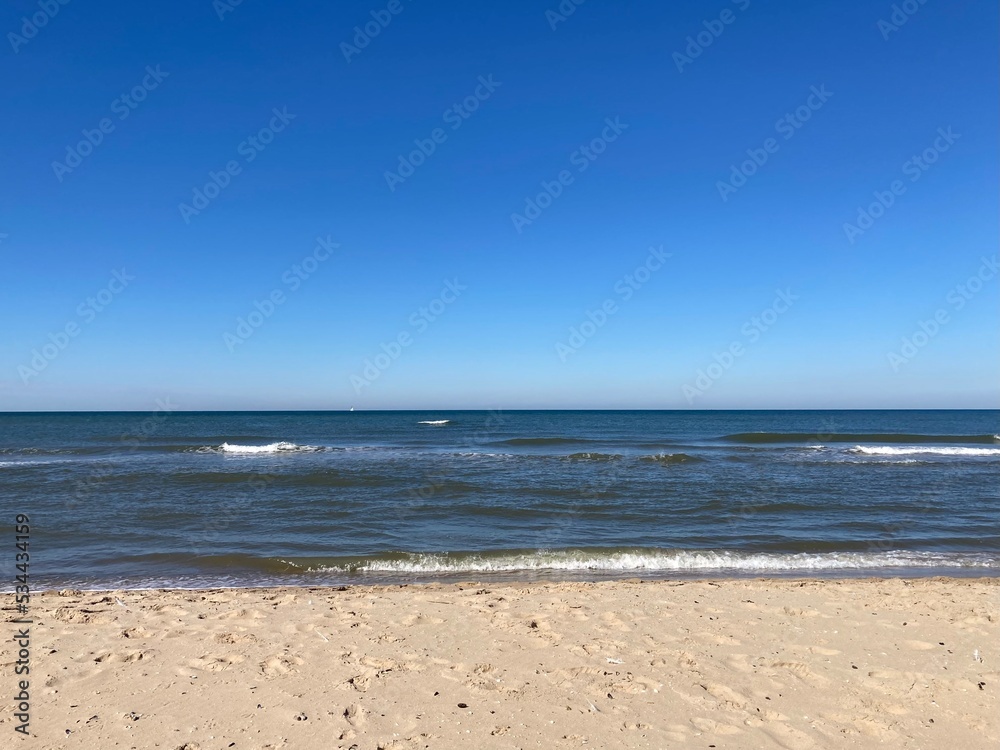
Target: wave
x,y
435,422
608,560
847,437
282,447
668,459
20,464
126,447
593,457
240,570
652,560
887,450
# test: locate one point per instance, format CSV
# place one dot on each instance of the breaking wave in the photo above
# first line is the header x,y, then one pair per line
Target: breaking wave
x,y
664,561
282,447
875,437
888,450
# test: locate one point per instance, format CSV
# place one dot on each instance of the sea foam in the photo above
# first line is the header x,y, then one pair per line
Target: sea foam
x,y
660,561
889,450
282,447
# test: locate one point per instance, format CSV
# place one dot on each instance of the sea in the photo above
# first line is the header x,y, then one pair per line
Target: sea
x,y
240,499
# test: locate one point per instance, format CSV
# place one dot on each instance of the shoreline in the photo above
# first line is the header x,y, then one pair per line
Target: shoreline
x,y
369,580
738,663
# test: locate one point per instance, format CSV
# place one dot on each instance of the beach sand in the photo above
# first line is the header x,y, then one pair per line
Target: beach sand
x,y
700,664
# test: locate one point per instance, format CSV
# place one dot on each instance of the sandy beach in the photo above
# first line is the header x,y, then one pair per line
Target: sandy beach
x,y
727,664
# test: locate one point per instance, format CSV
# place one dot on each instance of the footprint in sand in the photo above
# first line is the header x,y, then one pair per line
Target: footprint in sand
x,y
421,619
797,612
739,663
280,665
590,676
231,638
632,685
388,665
81,616
240,614
361,682
125,657
727,696
485,677
801,671
713,727
686,661
615,622
211,663
355,715
170,610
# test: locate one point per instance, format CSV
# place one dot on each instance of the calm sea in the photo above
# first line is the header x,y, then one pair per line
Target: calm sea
x,y
205,499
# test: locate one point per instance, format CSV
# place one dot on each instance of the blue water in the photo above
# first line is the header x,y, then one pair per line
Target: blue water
x,y
203,499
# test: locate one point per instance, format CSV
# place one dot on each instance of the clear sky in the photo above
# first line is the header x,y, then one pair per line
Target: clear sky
x,y
439,198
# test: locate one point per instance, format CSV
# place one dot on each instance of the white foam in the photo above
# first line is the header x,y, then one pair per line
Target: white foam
x,y
435,422
666,561
889,450
282,447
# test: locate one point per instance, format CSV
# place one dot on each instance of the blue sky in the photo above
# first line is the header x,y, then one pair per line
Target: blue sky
x,y
621,109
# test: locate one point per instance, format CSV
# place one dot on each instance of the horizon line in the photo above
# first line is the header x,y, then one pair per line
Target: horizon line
x,y
484,409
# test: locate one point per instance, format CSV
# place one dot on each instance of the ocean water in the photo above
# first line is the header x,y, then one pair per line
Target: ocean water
x,y
303,498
